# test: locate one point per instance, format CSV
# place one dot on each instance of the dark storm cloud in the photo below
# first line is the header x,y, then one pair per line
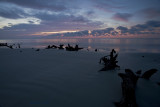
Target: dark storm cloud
x,y
56,5
122,17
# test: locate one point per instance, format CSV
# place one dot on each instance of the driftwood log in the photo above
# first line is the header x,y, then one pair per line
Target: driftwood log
x,y
129,85
109,61
51,47
71,48
149,73
128,89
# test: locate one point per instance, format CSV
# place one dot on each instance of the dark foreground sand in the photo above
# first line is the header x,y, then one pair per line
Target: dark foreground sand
x,y
57,78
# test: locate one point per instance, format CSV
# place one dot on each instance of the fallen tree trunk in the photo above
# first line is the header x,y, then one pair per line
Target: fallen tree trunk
x,y
128,89
110,61
129,85
149,73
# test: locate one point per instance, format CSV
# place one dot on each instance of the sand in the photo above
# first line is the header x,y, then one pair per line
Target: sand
x,y
58,78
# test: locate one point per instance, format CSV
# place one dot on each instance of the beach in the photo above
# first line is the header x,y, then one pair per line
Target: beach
x,y
59,78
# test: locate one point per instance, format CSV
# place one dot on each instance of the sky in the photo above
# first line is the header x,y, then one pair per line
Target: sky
x,y
79,18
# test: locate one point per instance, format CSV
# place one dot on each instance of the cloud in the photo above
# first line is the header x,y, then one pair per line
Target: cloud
x,y
107,5
123,29
150,12
90,13
80,19
150,27
153,23
106,31
96,33
51,23
11,12
55,5
50,20
70,22
122,17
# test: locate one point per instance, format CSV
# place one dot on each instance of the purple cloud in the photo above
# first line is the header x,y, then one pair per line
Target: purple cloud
x,y
151,12
122,17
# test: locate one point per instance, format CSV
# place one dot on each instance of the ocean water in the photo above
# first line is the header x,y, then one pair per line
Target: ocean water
x,y
149,45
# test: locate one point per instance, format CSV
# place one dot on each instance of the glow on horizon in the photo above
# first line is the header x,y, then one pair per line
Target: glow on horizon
x,y
50,33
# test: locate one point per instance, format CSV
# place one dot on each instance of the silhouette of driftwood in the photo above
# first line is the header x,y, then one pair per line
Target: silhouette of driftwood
x,y
71,48
149,73
48,47
109,61
54,46
128,89
3,44
129,85
61,46
51,47
6,45
10,46
37,49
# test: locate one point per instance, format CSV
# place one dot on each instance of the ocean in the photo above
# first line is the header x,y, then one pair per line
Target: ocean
x,y
146,45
